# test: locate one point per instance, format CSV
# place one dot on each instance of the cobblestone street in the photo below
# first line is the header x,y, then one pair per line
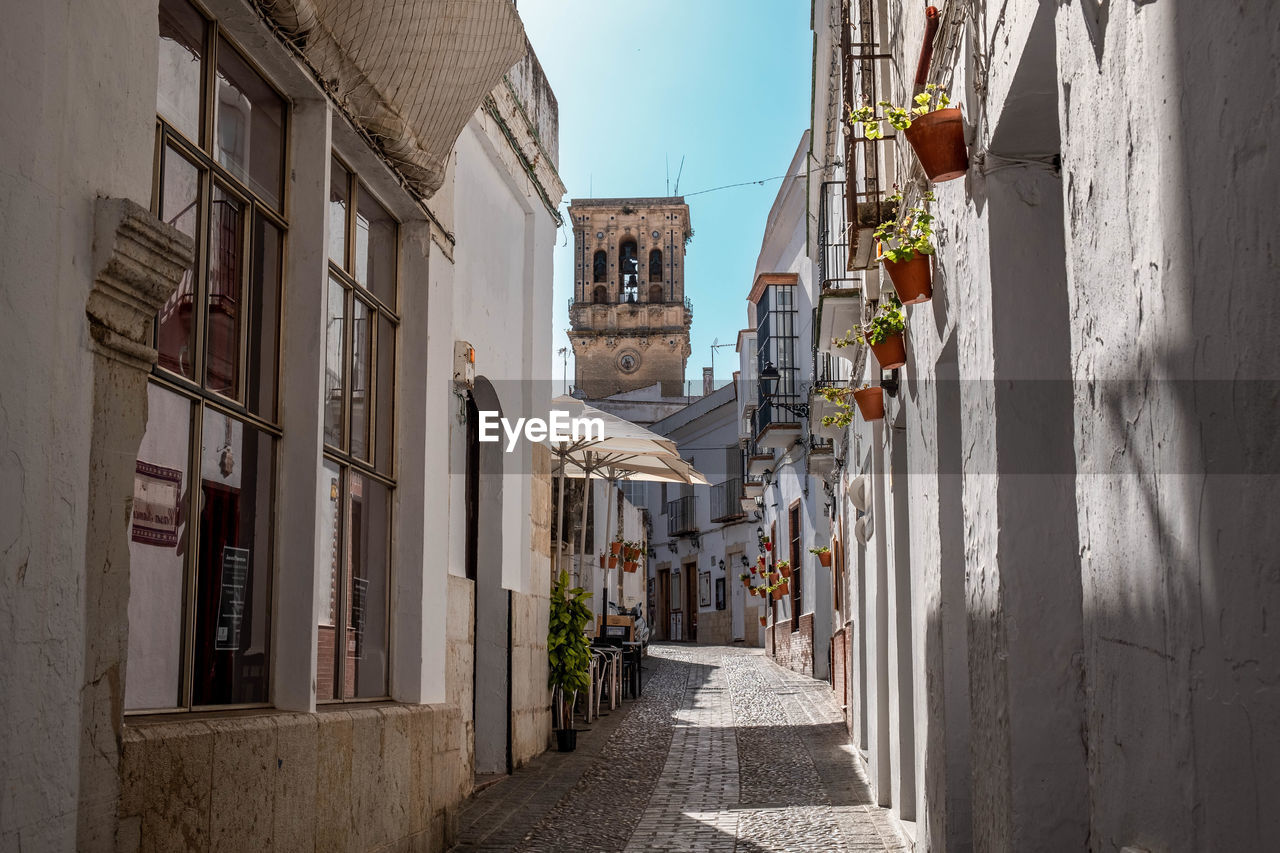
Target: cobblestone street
x,y
724,751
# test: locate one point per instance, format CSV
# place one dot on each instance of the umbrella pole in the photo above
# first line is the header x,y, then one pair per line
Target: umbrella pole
x,y
560,523
582,534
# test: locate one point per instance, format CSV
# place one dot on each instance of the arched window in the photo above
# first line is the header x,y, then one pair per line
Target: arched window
x,y
600,295
629,279
655,293
601,264
655,265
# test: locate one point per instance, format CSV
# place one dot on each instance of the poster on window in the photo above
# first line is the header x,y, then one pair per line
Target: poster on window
x,y
359,596
704,589
235,574
156,494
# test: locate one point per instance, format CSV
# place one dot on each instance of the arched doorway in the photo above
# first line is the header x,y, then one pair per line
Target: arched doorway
x,y
491,659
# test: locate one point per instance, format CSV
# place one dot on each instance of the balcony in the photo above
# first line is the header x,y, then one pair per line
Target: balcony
x,y
776,428
846,232
726,501
838,313
682,516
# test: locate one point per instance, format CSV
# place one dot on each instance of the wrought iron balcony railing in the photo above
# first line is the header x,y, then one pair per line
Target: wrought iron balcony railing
x,y
726,501
682,516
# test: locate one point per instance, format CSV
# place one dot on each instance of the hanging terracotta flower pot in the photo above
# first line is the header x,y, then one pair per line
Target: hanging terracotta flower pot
x,y
774,577
764,621
613,562
891,352
785,569
938,140
768,546
871,406
630,565
602,561
824,557
779,591
615,548
912,280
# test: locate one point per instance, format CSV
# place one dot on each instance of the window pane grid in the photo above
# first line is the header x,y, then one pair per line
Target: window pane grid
x,y
209,456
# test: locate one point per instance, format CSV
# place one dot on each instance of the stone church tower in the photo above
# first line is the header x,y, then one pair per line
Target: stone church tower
x,y
629,319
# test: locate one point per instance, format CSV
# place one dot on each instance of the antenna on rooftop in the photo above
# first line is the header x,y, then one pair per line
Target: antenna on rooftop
x,y
668,159
679,173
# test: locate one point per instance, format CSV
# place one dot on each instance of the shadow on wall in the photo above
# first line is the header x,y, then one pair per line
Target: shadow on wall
x,y
1178,431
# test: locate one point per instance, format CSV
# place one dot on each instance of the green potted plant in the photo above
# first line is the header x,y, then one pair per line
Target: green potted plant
x,y
932,126
884,334
746,579
906,243
823,553
764,621
784,568
569,654
768,543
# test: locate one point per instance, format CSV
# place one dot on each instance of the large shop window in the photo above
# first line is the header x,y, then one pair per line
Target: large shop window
x,y
204,487
360,345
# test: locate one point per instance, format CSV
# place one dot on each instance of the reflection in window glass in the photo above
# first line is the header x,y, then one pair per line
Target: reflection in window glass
x,y
375,248
365,611
361,370
264,316
175,326
158,543
384,414
328,575
233,572
250,125
181,53
339,180
226,305
335,356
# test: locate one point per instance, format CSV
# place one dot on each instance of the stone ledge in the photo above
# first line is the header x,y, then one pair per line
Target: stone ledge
x,y
139,261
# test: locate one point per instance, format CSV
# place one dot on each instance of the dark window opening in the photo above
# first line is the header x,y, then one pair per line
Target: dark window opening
x,y
628,266
793,532
655,265
601,267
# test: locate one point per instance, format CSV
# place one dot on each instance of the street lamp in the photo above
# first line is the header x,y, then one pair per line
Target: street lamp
x,y
769,377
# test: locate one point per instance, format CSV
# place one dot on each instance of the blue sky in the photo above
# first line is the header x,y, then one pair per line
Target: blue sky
x,y
725,85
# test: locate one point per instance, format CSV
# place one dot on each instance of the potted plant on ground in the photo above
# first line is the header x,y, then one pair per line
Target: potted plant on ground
x,y
569,655
884,334
932,126
906,243
824,553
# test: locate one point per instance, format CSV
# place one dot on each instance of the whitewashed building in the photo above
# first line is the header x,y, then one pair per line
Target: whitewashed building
x,y
245,600
1055,546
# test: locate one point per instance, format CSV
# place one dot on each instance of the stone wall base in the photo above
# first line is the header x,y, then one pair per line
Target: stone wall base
x,y
355,779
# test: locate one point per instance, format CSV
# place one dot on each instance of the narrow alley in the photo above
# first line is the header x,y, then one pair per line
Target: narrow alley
x,y
725,750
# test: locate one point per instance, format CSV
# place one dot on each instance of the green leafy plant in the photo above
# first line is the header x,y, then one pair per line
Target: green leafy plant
x,y
910,234
822,550
568,650
932,98
888,321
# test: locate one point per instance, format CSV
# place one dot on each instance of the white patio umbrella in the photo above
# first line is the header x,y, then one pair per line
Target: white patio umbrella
x,y
625,451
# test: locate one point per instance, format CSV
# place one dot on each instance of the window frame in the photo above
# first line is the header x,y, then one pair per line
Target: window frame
x,y
194,391
343,457
794,536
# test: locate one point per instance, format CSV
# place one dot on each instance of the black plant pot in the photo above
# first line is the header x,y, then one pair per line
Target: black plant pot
x,y
566,740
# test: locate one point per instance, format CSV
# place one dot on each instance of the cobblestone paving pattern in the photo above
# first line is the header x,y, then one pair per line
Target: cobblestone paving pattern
x,y
725,751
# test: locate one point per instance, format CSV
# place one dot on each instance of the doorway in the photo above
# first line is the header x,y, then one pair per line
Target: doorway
x,y
690,575
663,626
491,604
